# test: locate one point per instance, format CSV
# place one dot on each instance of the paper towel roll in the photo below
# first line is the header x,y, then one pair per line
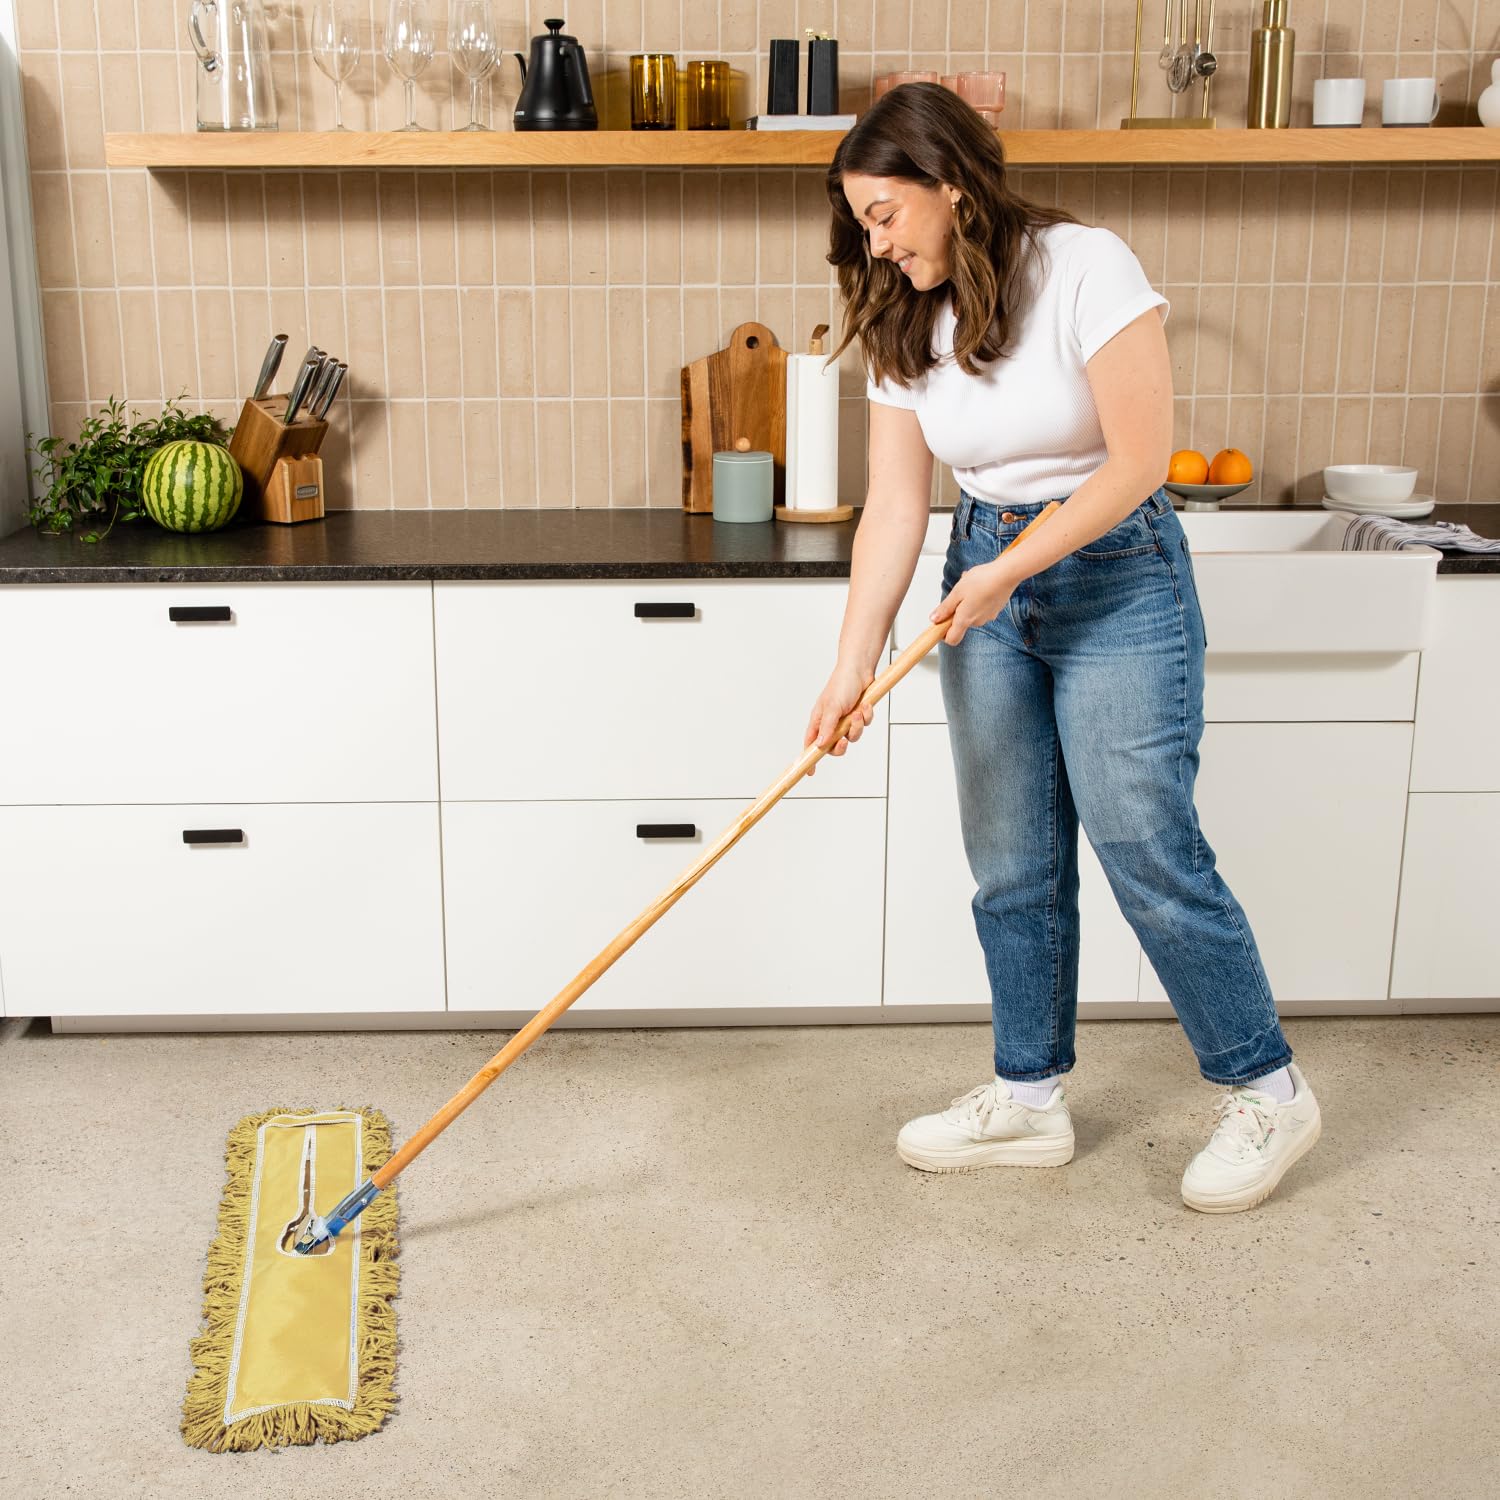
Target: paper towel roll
x,y
812,433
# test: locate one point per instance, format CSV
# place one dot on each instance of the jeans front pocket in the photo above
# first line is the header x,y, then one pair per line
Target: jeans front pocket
x,y
1133,537
970,546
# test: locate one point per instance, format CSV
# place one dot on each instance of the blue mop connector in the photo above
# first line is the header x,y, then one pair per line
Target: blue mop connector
x,y
345,1212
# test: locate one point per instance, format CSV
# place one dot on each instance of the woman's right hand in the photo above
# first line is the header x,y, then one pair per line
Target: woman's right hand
x,y
845,687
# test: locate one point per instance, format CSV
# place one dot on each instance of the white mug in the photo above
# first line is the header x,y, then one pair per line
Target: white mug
x,y
1409,101
1339,101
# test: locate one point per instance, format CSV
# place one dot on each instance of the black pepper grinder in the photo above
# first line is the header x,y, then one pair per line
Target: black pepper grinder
x,y
781,91
822,73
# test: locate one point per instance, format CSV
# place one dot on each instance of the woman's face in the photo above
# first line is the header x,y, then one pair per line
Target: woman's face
x,y
908,224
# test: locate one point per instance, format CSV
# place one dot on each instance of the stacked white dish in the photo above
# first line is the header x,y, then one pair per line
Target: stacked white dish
x,y
1374,490
1397,510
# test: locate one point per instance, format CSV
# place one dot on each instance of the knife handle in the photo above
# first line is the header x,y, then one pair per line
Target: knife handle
x,y
269,366
326,398
299,390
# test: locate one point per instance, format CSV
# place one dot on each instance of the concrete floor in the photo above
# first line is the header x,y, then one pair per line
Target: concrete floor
x,y
689,1263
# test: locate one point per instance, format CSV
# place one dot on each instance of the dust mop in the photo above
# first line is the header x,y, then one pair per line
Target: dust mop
x,y
299,1337
321,1229
295,1348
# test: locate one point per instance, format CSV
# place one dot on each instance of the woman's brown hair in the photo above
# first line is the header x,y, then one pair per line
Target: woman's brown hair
x,y
926,134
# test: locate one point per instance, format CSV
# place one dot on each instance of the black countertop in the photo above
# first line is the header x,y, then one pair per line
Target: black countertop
x,y
498,544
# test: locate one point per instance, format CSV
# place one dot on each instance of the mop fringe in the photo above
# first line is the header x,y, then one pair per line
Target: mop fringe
x,y
211,1349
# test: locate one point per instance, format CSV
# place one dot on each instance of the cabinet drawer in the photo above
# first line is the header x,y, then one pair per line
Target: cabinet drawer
x,y
790,916
107,911
304,693
556,691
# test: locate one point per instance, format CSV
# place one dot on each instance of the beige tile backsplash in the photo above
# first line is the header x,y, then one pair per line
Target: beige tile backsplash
x,y
514,338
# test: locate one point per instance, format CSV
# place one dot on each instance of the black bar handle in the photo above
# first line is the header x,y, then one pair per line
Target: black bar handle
x,y
180,612
665,611
666,830
213,835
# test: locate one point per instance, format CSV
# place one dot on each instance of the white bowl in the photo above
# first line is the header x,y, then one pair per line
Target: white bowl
x,y
1370,482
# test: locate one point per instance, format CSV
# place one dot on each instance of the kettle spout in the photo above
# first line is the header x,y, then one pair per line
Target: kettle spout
x,y
522,62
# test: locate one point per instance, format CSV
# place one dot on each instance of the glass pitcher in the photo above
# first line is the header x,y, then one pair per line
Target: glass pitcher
x,y
231,39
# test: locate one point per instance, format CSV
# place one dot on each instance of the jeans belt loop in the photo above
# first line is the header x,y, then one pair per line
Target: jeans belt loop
x,y
968,516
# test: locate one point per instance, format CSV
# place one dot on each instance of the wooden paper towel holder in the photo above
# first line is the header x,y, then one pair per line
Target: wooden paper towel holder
x,y
834,512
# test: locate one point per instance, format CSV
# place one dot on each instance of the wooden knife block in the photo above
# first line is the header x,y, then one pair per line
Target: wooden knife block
x,y
295,490
735,398
261,443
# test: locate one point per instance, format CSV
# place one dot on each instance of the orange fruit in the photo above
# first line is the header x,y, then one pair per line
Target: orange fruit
x,y
1188,466
1230,466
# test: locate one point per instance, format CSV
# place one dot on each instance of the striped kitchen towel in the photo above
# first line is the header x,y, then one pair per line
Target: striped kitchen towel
x,y
1382,534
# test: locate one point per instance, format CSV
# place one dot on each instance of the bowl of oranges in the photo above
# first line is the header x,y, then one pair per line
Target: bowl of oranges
x,y
1202,483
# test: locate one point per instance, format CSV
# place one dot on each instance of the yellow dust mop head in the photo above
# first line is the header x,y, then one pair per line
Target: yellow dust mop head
x,y
296,1347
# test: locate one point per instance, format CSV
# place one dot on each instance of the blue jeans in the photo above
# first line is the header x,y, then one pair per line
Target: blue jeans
x,y
1082,702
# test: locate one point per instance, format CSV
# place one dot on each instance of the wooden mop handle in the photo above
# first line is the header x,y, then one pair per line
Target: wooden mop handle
x,y
591,971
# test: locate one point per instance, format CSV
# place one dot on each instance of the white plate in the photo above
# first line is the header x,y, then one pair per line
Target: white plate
x,y
1397,510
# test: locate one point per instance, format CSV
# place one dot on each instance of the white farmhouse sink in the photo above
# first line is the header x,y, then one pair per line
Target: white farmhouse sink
x,y
1270,583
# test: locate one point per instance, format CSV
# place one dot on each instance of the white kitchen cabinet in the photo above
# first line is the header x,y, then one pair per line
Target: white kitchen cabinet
x,y
106,911
1305,823
1457,746
1447,938
554,691
788,917
306,692
932,953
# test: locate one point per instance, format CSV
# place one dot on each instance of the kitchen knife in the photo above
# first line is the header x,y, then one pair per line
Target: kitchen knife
x,y
337,379
317,356
320,385
269,366
299,389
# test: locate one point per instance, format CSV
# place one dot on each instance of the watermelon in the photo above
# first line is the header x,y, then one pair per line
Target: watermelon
x,y
189,486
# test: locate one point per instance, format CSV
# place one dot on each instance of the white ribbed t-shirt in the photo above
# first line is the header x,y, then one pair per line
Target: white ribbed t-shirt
x,y
1025,429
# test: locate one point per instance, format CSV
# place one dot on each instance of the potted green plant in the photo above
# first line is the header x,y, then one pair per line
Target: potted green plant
x,y
98,474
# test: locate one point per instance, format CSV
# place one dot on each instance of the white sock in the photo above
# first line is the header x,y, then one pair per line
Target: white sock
x,y
1035,1093
1278,1085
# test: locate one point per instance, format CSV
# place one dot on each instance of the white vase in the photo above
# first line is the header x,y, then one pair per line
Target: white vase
x,y
1489,100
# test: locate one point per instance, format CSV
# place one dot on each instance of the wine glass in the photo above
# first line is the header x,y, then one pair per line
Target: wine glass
x,y
335,48
471,42
409,33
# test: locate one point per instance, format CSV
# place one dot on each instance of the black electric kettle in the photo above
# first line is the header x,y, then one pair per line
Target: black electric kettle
x,y
555,93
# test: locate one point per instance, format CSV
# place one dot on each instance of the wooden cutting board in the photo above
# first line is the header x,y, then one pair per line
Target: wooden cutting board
x,y
734,398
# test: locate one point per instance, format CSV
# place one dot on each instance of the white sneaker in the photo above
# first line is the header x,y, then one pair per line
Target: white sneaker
x,y
1253,1145
987,1128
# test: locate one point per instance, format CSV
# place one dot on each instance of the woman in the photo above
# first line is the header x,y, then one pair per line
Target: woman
x,y
1027,351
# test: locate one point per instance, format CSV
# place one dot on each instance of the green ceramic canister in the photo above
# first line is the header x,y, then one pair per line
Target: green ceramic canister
x,y
744,486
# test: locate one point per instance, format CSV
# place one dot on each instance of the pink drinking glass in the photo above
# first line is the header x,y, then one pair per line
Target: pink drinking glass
x,y
950,82
985,91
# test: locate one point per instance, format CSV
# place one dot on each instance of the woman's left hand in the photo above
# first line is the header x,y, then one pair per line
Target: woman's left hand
x,y
975,600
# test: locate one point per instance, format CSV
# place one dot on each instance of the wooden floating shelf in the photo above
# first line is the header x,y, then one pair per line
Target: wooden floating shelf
x,y
783,148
